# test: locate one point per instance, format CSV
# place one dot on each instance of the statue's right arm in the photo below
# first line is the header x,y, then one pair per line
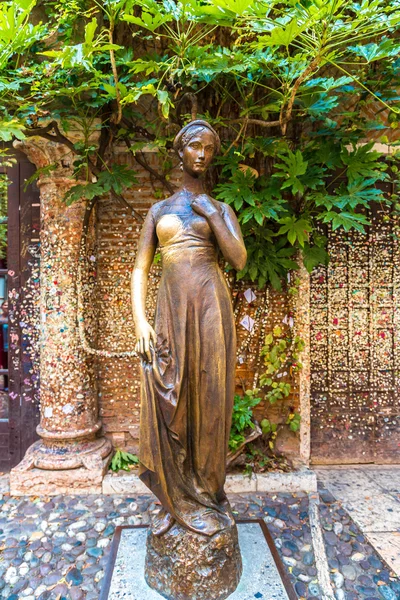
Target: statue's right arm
x,y
144,259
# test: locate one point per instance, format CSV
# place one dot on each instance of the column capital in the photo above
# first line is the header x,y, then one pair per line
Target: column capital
x,y
43,153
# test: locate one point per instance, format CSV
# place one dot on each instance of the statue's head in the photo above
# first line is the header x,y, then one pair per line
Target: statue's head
x,y
196,145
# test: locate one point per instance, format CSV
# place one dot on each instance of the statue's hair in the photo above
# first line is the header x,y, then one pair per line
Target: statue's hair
x,y
192,129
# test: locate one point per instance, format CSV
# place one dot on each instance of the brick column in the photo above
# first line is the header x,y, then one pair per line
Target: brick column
x,y
71,454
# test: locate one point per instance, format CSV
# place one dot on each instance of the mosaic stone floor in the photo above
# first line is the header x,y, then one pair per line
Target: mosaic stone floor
x,y
371,496
57,548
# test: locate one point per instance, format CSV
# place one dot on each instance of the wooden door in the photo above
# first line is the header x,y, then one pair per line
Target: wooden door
x,y
355,346
20,409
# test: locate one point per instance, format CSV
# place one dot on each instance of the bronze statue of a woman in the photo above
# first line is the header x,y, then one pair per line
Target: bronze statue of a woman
x,y
188,358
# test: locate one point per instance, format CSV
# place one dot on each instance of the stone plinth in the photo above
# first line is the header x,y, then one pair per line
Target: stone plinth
x,y
263,574
40,482
183,565
302,480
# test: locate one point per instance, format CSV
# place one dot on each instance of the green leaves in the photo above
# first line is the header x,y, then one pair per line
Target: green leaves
x,y
17,33
144,66
297,230
372,52
267,261
346,220
362,161
115,179
242,417
294,421
165,102
331,62
239,191
148,20
123,461
282,35
290,169
82,55
314,256
10,129
148,87
234,7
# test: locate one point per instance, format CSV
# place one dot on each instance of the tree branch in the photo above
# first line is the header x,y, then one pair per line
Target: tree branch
x,y
56,137
139,157
285,115
115,73
60,138
138,129
194,106
284,119
242,128
256,122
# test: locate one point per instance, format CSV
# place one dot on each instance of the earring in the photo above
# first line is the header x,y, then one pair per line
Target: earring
x,y
181,165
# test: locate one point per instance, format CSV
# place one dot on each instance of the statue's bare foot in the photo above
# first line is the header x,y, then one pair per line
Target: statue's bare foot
x,y
209,522
162,522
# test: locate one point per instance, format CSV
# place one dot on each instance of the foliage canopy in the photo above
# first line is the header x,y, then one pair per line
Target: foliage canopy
x,y
290,86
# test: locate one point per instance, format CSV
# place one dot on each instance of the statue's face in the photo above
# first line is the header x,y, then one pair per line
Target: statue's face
x,y
198,153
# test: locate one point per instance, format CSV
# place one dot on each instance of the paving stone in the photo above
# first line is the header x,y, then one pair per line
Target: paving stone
x,y
46,558
330,538
99,576
53,578
386,479
349,572
387,593
289,525
338,579
20,585
314,589
388,545
45,569
74,577
301,588
39,590
91,542
95,552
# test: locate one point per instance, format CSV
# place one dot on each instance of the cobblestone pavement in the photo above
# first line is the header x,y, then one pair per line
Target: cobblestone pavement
x,y
57,548
371,496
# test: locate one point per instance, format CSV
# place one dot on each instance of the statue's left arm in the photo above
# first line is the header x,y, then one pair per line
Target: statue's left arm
x,y
226,229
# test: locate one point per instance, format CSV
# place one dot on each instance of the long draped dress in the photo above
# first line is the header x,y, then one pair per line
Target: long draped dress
x,y
188,387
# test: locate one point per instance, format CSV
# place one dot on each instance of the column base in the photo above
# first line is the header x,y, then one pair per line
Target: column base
x,y
65,467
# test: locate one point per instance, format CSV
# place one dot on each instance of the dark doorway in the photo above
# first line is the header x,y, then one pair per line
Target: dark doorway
x,y
19,284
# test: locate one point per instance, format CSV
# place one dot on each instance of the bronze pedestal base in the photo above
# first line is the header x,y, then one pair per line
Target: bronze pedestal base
x,y
183,565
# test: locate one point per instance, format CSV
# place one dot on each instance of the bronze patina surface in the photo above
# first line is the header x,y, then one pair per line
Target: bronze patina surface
x,y
188,358
183,565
